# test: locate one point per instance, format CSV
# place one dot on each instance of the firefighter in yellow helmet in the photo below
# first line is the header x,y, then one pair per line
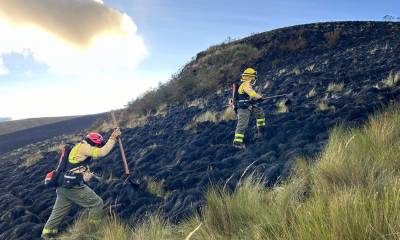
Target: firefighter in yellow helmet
x,y
246,106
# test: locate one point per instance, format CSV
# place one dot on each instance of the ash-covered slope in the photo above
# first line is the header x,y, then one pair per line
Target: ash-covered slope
x,y
34,134
5,119
8,126
331,77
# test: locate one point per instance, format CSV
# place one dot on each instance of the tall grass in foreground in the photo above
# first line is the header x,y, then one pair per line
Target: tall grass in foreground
x,y
108,228
351,191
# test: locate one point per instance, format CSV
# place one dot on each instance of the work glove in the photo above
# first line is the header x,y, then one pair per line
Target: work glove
x,y
258,100
87,176
116,133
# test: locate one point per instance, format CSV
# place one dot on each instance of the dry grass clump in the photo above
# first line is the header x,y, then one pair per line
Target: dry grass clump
x,y
373,50
55,148
66,139
161,111
296,71
282,71
310,68
113,228
371,150
199,103
281,106
208,116
324,106
228,115
311,93
267,84
32,158
136,121
155,187
332,37
155,228
73,138
335,87
392,79
294,44
108,228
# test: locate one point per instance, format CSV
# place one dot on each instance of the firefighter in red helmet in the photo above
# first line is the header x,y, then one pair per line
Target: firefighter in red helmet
x,y
73,189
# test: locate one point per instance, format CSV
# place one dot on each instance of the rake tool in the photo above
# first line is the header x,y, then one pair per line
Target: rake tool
x,y
136,183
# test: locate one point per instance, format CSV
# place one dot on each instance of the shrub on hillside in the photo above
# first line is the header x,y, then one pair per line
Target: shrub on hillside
x,y
208,73
332,37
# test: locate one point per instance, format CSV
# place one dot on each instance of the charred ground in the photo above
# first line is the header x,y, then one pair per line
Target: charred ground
x,y
334,73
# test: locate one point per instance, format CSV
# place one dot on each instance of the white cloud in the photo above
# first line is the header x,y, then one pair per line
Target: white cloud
x,y
97,50
74,97
84,45
3,69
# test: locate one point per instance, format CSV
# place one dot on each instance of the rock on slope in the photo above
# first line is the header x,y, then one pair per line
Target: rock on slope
x,y
332,78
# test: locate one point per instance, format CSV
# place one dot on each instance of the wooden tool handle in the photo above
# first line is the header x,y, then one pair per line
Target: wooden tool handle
x,y
121,147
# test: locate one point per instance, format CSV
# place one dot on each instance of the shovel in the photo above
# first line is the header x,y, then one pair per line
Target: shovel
x,y
136,183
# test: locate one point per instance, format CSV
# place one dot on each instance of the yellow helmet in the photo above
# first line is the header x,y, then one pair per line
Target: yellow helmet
x,y
249,74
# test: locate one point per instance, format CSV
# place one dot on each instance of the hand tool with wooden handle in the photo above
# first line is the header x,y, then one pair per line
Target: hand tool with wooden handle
x,y
121,147
137,184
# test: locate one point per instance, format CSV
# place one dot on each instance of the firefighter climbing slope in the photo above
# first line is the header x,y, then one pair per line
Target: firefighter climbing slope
x,y
246,100
70,185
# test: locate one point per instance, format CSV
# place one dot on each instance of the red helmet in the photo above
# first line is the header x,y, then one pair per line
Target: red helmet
x,y
95,138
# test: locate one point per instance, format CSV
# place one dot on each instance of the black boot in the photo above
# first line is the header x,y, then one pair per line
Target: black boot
x,y
260,133
239,145
49,236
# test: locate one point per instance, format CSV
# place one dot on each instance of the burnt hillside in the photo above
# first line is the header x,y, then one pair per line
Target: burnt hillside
x,y
34,134
334,73
10,126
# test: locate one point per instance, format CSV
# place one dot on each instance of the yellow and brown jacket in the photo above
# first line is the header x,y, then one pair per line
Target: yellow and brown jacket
x,y
83,151
246,93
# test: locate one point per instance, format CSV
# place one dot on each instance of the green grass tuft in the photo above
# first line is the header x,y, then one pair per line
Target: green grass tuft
x,y
155,187
153,228
32,158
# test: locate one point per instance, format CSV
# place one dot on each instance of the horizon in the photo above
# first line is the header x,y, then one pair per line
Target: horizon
x,y
48,70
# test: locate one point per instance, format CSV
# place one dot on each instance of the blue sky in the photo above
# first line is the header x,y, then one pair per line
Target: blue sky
x,y
177,30
169,33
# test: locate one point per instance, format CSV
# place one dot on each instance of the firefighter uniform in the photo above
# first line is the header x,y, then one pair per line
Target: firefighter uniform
x,y
78,192
247,106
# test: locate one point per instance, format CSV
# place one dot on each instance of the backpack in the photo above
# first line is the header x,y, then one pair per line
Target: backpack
x,y
53,179
235,96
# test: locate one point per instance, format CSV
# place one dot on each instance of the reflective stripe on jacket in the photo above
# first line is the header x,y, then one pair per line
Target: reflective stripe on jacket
x,y
245,94
83,152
